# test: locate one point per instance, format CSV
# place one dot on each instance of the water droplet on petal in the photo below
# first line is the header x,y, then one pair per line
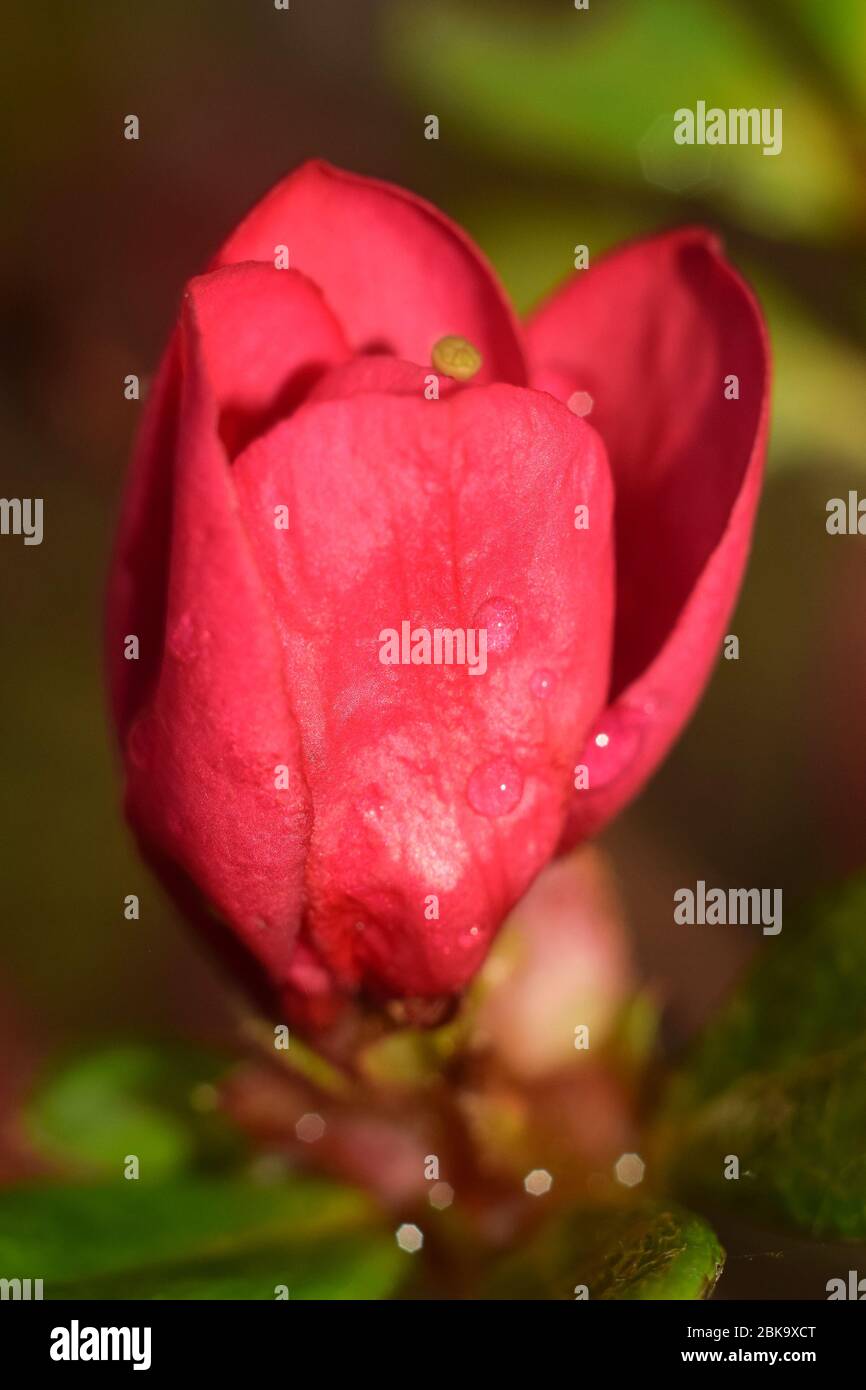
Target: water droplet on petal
x,y
495,788
499,616
371,807
613,745
542,683
580,403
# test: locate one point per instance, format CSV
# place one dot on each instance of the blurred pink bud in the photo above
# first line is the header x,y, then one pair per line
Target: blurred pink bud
x,y
560,972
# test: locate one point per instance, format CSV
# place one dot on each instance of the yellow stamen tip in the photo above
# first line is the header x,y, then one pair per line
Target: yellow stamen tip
x,y
456,357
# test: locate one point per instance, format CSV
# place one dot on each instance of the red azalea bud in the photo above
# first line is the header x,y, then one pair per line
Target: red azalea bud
x,y
319,527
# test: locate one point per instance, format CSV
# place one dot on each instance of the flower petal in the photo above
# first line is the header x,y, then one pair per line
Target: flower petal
x,y
398,274
653,334
437,794
377,374
135,601
203,748
266,336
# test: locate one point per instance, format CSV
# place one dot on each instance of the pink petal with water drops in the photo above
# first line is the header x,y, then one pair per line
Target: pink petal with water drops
x,y
653,334
438,794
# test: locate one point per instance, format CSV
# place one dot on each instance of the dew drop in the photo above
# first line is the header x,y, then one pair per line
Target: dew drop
x,y
580,403
613,745
495,788
371,807
542,683
499,616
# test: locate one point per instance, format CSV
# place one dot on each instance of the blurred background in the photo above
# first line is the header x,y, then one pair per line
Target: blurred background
x,y
555,129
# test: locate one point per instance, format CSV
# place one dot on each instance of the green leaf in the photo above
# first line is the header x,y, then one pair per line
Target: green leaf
x,y
208,1239
800,1137
819,379
779,1081
531,242
595,91
803,996
835,28
652,1251
147,1101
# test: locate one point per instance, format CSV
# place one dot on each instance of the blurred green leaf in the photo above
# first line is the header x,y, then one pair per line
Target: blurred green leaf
x,y
531,243
819,384
800,1138
413,1058
804,996
653,1251
779,1080
151,1102
635,1032
596,91
836,29
197,1240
